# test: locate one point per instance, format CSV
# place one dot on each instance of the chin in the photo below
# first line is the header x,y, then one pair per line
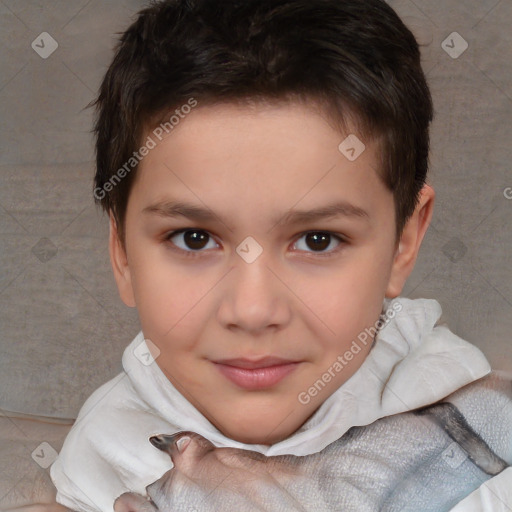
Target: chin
x,y
255,434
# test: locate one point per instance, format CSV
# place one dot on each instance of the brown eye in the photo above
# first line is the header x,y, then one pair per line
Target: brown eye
x,y
190,240
319,241
195,239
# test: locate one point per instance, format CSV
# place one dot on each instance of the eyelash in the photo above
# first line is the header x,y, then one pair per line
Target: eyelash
x,y
194,254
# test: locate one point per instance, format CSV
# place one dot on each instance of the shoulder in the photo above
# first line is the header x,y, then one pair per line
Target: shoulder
x,y
486,405
82,472
107,451
113,423
113,403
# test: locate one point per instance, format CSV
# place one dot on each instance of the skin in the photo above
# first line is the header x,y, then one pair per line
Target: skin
x,y
297,301
209,478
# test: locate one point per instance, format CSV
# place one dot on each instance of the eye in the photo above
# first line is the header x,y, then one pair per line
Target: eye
x,y
318,241
190,240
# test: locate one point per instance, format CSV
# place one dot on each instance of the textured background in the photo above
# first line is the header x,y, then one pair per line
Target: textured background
x,y
62,326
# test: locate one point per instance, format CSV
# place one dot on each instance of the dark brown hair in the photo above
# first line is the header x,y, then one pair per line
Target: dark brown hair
x,y
355,58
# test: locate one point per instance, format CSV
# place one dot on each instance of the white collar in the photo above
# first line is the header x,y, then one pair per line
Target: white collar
x,y
414,362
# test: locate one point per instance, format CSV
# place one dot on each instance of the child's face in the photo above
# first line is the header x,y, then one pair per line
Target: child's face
x,y
202,299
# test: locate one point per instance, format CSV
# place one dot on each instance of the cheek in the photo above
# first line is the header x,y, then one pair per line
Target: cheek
x,y
350,299
168,299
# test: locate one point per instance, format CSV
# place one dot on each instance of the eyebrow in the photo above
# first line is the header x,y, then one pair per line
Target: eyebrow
x,y
291,216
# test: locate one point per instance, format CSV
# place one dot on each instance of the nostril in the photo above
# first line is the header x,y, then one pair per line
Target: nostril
x,y
165,442
157,441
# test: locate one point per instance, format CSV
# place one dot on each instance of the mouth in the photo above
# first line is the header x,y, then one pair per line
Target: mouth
x,y
256,374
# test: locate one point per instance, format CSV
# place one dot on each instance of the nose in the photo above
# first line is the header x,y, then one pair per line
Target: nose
x,y
254,297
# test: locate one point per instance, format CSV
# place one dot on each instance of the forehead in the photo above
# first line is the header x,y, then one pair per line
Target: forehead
x,y
256,158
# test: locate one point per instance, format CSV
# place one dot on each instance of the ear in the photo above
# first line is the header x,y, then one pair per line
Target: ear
x,y
410,242
120,266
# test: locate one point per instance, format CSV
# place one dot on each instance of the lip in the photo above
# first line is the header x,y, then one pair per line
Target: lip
x,y
262,362
256,374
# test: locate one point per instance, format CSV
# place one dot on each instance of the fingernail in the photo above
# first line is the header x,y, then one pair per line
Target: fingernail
x,y
182,443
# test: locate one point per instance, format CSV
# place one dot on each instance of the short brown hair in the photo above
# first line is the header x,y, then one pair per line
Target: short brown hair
x,y
355,57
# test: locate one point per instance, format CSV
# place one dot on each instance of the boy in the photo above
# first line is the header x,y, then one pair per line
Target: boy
x,y
263,164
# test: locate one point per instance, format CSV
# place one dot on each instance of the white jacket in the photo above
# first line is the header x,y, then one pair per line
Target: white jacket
x,y
415,362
